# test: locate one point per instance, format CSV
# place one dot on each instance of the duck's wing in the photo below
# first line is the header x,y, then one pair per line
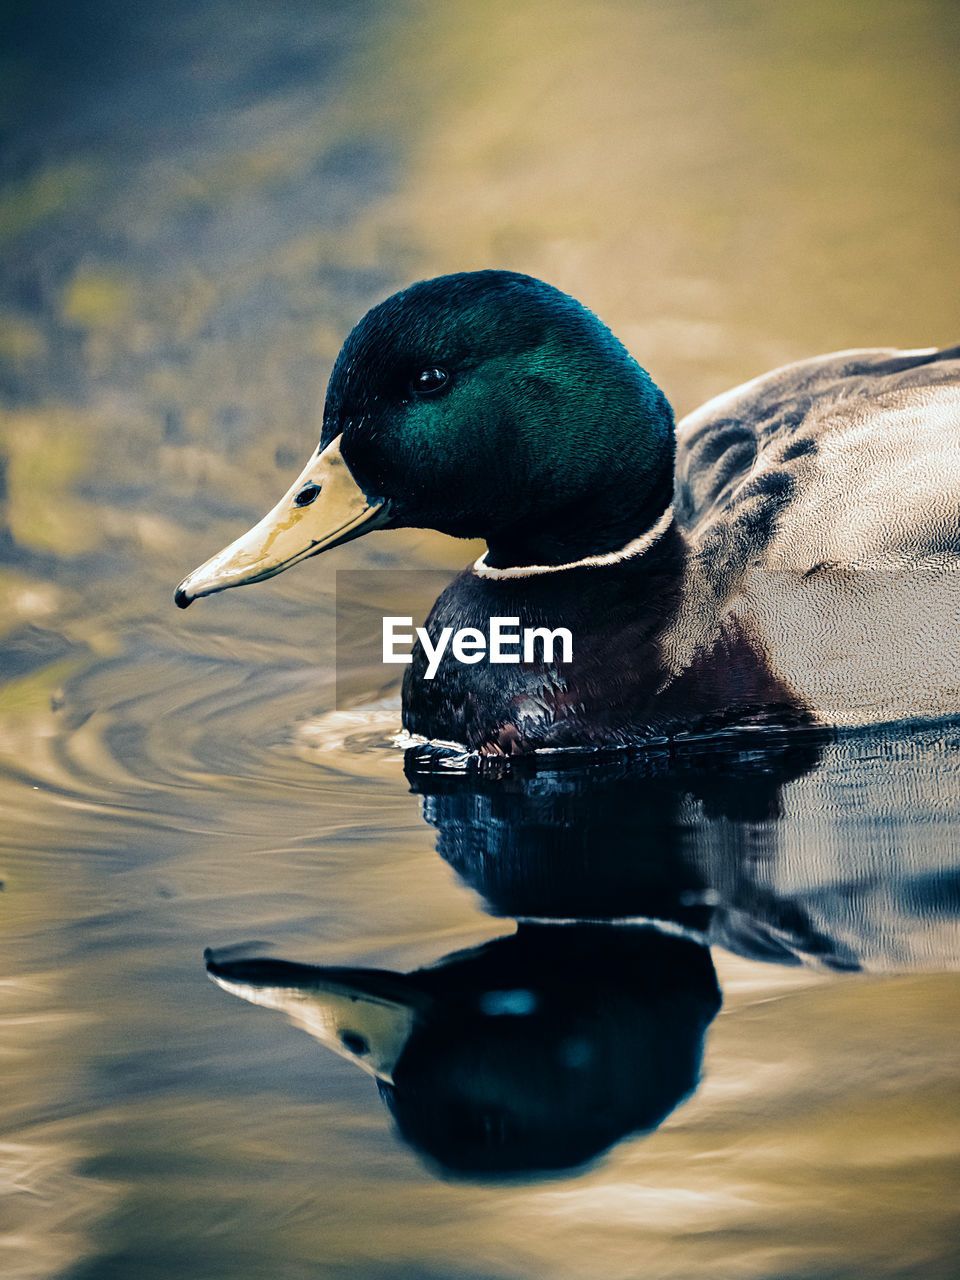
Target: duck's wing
x,y
779,418
822,503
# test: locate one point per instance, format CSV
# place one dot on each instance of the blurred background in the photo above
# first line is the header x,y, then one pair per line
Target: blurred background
x,y
199,199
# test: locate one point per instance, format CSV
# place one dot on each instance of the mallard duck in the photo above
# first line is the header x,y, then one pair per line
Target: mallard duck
x,y
789,554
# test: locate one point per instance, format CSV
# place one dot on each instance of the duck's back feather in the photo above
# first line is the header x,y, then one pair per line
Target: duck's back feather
x,y
755,441
822,504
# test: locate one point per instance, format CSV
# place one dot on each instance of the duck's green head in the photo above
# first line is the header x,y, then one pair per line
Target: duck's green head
x,y
486,404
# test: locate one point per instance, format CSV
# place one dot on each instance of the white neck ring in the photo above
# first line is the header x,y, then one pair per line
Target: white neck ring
x,y
634,548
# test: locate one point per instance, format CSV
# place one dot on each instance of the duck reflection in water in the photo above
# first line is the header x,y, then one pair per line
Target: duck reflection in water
x,y
531,1053
537,1051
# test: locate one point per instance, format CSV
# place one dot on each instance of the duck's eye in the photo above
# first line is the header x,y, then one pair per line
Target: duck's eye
x,y
306,495
429,380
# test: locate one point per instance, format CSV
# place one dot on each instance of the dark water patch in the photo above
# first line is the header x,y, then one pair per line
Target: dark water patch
x,y
91,73
31,648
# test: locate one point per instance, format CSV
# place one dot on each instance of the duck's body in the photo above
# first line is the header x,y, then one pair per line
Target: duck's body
x,y
822,502
638,671
799,563
810,573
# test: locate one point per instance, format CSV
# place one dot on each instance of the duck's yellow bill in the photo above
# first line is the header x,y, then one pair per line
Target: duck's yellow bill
x,y
323,507
365,1015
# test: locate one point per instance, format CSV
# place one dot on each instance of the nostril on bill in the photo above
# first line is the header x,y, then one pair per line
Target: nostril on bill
x,y
306,495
